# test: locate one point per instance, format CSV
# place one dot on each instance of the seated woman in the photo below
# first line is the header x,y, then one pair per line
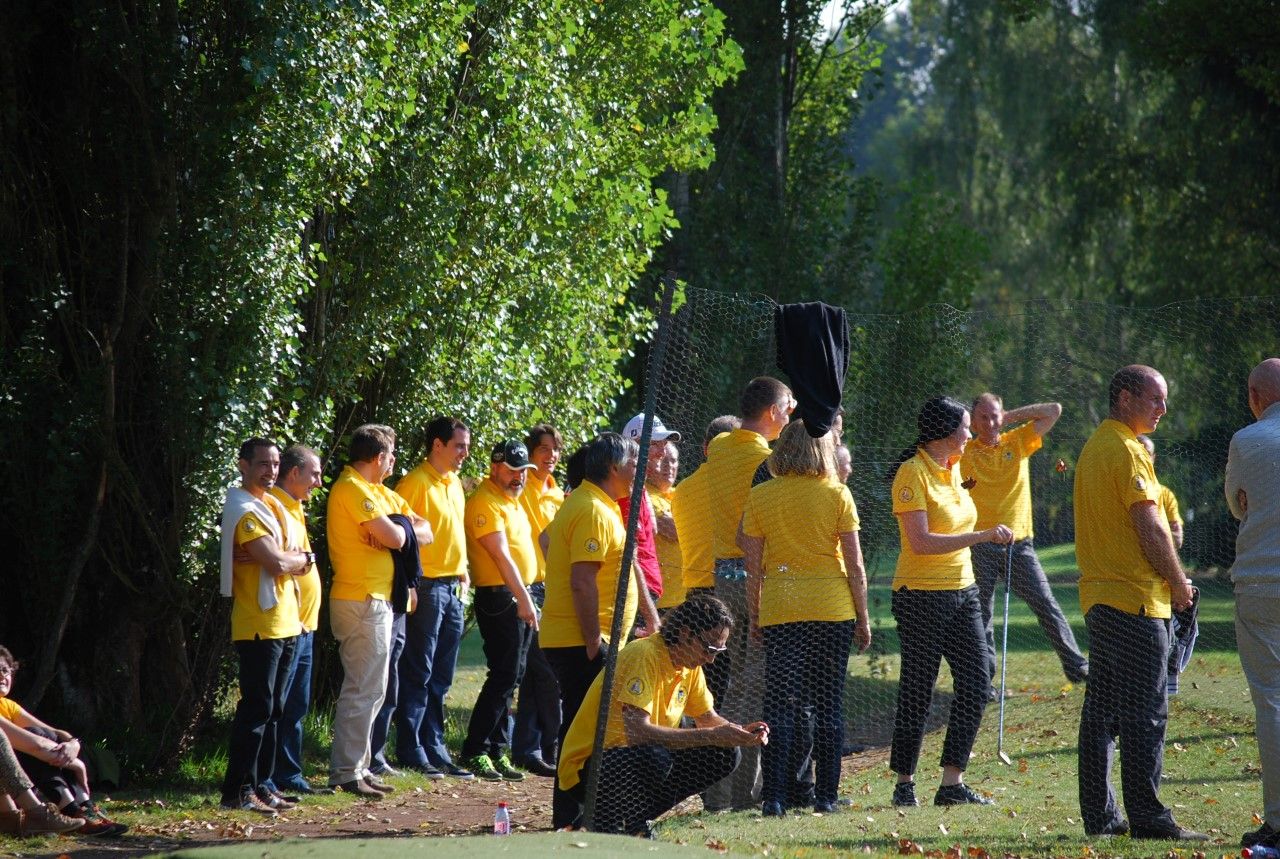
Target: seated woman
x,y
51,757
650,764
21,811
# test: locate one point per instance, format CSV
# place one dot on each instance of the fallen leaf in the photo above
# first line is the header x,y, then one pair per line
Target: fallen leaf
x,y
1023,766
717,845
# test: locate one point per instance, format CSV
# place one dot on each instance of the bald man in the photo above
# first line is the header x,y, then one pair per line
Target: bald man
x,y
1253,494
1130,583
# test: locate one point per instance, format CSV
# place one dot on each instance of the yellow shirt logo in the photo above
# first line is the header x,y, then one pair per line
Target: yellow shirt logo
x,y
249,526
906,494
368,506
481,520
1139,484
1008,455
593,545
680,695
636,686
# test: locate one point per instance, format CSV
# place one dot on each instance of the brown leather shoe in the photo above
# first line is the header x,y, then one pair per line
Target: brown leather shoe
x,y
379,786
359,788
45,820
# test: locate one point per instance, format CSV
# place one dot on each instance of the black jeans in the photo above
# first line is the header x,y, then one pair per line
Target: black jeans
x,y
933,625
538,715
506,645
264,670
1125,698
575,673
641,783
805,667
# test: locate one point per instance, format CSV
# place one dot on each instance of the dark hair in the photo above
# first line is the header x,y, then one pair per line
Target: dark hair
x,y
604,452
442,429
369,441
6,656
250,447
697,614
575,468
760,393
938,418
537,431
724,423
1133,379
295,456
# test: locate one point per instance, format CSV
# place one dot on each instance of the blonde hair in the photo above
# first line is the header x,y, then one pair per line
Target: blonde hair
x,y
796,452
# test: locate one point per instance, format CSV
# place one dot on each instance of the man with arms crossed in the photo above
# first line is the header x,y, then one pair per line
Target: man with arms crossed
x,y
1130,580
996,462
1253,494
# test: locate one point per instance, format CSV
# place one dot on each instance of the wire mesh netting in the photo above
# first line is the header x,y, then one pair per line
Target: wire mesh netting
x,y
972,588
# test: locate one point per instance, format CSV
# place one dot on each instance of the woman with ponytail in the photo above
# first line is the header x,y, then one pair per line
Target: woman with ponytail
x,y
935,601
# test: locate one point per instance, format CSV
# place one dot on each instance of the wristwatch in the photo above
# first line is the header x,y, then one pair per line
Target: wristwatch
x,y
311,558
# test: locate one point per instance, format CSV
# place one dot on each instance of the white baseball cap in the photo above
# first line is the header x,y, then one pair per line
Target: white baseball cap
x,y
660,433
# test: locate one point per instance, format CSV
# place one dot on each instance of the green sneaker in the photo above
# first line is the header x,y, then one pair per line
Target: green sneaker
x,y
506,770
482,766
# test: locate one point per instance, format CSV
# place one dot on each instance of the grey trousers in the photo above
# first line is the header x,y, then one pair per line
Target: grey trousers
x,y
1031,586
1258,642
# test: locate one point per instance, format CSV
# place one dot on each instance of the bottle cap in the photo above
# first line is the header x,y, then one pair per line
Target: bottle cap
x,y
502,805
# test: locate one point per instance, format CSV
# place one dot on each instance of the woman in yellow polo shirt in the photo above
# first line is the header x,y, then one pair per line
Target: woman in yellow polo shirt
x,y
805,588
935,601
650,763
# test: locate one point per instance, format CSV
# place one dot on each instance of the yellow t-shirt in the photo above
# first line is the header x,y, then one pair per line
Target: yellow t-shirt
x,y
922,484
308,584
540,500
587,528
1002,488
359,570
1169,506
439,499
732,459
800,519
1112,474
645,679
691,508
669,555
248,620
490,510
11,710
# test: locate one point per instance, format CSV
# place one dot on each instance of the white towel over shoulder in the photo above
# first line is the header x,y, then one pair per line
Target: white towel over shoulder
x,y
238,503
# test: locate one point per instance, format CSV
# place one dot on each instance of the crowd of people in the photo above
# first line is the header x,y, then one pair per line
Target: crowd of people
x,y
746,596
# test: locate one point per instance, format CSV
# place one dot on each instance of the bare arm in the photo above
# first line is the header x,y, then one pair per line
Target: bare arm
x,y
268,554
712,730
1157,547
648,610
915,523
422,530
586,603
1044,415
496,545
388,534
665,526
58,754
1175,531
544,543
851,548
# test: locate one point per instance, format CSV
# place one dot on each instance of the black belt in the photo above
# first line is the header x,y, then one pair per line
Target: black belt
x,y
486,589
441,580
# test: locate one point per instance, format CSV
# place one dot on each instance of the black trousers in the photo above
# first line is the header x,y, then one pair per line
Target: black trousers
x,y
506,646
264,672
538,716
51,781
1125,698
575,673
932,626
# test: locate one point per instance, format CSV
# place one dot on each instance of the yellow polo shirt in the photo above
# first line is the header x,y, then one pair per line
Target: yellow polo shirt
x,y
490,510
645,679
800,519
439,499
732,459
248,620
587,528
922,484
669,556
11,710
308,584
1112,474
540,500
691,508
1002,487
359,570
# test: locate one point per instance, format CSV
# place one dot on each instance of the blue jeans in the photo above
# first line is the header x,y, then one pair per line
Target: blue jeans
x,y
432,636
382,721
297,701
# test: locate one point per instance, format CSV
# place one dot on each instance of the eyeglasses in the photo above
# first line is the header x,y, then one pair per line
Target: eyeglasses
x,y
712,650
6,671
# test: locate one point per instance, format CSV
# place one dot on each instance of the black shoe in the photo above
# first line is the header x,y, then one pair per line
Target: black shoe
x,y
386,770
1171,832
824,807
771,808
1263,837
426,770
1115,827
537,766
1078,675
993,694
273,800
359,788
454,771
959,794
904,794
852,749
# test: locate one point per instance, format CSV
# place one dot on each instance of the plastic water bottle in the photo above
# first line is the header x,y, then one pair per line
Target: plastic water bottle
x,y
502,821
1260,851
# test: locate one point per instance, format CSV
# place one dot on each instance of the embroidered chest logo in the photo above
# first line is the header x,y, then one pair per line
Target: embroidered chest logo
x,y
481,520
636,686
680,695
593,545
367,505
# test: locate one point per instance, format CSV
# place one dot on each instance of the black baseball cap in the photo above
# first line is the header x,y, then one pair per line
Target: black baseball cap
x,y
513,454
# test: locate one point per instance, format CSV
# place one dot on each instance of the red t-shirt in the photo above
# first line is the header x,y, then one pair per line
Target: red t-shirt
x,y
646,548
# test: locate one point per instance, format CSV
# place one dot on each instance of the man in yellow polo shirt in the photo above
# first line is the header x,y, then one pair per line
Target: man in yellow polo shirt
x,y
660,482
735,462
299,477
995,467
361,532
434,631
503,564
650,763
1130,579
537,722
691,510
264,622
